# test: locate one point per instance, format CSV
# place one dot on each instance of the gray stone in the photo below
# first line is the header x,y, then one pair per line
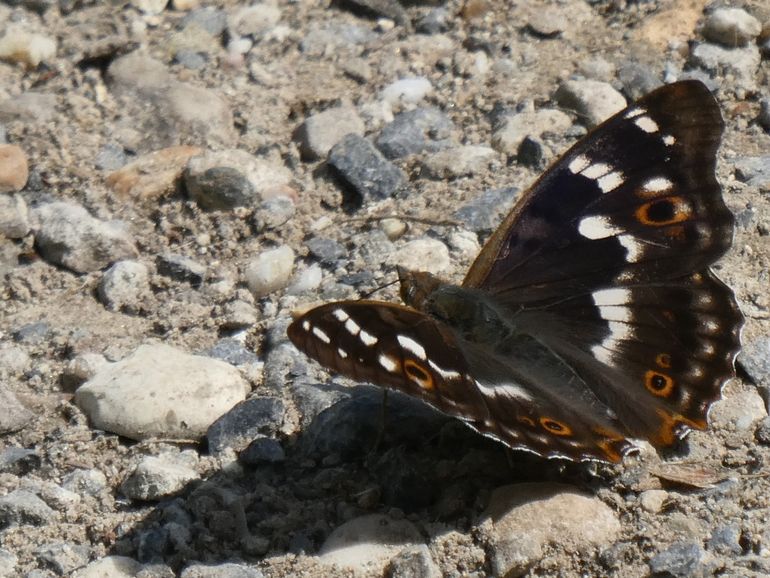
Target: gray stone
x,y
21,507
731,27
33,333
327,251
532,153
460,161
322,39
111,157
125,286
18,461
212,20
85,482
637,79
112,567
274,212
680,560
754,171
511,129
15,415
14,217
593,101
67,235
226,570
220,189
362,168
321,131
8,562
257,416
415,131
726,540
63,557
483,213
764,114
231,351
254,20
262,451
755,359
239,314
434,22
156,478
407,91
413,562
739,63
181,268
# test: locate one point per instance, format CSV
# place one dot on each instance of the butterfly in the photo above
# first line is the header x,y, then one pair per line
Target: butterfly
x,y
590,319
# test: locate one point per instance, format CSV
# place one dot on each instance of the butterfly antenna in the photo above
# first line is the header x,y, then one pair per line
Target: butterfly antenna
x,y
379,288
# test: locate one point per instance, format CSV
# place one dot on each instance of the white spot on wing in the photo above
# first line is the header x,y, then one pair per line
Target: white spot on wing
x,y
578,164
306,325
611,181
340,315
596,170
342,353
615,313
320,334
412,346
367,338
668,140
657,185
605,351
513,390
352,327
597,227
445,373
634,112
634,249
647,124
611,297
388,363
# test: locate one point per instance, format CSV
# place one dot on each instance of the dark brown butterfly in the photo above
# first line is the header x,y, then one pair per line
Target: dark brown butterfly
x,y
590,317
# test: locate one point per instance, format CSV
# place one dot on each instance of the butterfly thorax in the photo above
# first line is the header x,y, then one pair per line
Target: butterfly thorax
x,y
467,311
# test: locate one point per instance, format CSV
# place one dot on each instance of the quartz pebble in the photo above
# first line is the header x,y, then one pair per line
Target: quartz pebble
x,y
269,271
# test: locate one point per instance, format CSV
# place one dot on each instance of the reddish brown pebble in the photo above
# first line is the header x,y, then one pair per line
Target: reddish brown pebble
x,y
14,170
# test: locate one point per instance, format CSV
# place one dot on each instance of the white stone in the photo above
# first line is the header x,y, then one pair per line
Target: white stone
x,y
254,20
653,500
516,127
160,391
14,217
321,131
407,91
125,284
308,279
731,27
461,161
592,100
155,478
269,271
430,255
26,48
110,567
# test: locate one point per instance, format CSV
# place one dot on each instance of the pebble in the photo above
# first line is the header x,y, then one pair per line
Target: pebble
x,y
269,271
740,63
31,107
63,557
532,153
27,48
321,131
368,543
125,286
365,170
181,268
14,169
652,500
159,391
762,433
393,228
547,23
592,100
111,157
254,20
18,461
256,416
680,560
239,314
512,129
225,570
306,280
33,333
21,507
407,91
429,255
416,131
321,40
14,217
15,415
137,71
726,540
232,351
465,243
110,567
738,411
152,7
81,368
754,171
85,482
152,175
219,188
637,79
211,20
460,161
67,235
413,562
484,213
731,27
274,212
327,251
434,22
524,519
156,478
8,562
14,360
262,451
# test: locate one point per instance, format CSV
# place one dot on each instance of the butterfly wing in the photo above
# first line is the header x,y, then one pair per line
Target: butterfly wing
x,y
635,201
546,409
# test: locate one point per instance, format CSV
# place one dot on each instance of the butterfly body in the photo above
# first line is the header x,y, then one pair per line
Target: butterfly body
x,y
590,317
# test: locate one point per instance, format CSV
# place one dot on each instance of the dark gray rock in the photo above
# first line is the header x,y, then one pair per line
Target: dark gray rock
x,y
415,131
261,451
434,22
23,507
483,214
232,351
364,171
247,420
220,188
33,333
679,560
532,153
327,251
64,558
726,540
181,268
18,461
764,114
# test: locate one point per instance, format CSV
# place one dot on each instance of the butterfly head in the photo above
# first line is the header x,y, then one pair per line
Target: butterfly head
x,y
417,286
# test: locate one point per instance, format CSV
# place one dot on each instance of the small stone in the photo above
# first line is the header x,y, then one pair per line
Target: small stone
x,y
461,161
593,101
754,171
18,461
652,500
547,23
156,478
416,131
15,415
393,228
755,359
762,433
152,175
434,22
764,114
26,48
111,157
190,59
14,217
150,6
110,567
125,286
82,368
239,315
269,271
231,351
407,91
262,451
254,20
483,213
212,20
726,540
33,333
85,482
514,128
363,168
413,562
429,255
731,27
320,132
159,391
244,422
327,251
637,79
532,153
739,411
21,507
368,542
14,169
32,107
181,268
274,212
62,557
306,280
256,547
741,63
464,242
679,560
14,360
8,563
67,235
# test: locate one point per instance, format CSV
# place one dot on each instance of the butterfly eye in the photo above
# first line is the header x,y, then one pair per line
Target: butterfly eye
x,y
663,212
555,427
658,384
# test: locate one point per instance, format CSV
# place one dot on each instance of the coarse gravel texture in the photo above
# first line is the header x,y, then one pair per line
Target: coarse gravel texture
x,y
172,138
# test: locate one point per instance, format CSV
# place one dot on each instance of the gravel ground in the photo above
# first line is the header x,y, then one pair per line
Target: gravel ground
x,y
176,180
